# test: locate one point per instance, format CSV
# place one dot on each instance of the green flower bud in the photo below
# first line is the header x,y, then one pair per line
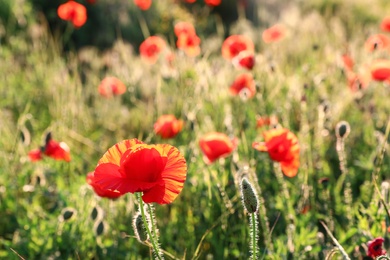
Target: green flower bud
x,y
342,129
139,228
249,196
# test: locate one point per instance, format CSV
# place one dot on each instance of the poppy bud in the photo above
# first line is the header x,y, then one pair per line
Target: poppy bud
x,y
249,196
139,228
99,227
67,214
342,129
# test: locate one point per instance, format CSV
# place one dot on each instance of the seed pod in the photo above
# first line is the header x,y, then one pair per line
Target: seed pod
x,y
249,196
342,129
99,227
67,214
139,228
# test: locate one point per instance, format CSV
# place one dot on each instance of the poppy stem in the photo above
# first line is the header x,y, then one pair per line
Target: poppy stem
x,y
254,234
152,235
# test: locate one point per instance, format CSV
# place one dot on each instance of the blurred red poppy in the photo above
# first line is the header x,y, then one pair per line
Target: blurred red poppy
x,y
348,62
213,2
282,146
74,12
274,33
143,4
245,59
380,70
266,121
111,86
235,44
385,24
189,43
184,28
215,145
167,126
244,85
158,171
375,247
151,48
51,148
358,82
112,194
377,42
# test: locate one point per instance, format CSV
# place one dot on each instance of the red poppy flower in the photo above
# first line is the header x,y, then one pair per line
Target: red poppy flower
x,y
235,44
151,48
143,4
189,43
244,84
385,24
266,121
348,62
245,59
358,82
184,28
377,42
282,146
74,12
375,247
167,126
216,145
112,194
51,148
111,86
213,2
380,70
158,171
274,33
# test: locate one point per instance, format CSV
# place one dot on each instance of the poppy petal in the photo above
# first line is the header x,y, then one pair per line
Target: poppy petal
x,y
114,154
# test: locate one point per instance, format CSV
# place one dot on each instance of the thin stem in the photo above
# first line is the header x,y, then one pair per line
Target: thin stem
x,y
156,248
254,235
342,250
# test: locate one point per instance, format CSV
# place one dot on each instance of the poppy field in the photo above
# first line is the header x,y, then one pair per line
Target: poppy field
x,y
194,129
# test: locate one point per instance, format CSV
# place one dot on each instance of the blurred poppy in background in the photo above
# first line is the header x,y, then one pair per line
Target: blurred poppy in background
x,y
112,194
282,146
74,12
348,62
143,4
111,86
215,145
168,126
235,44
266,121
274,34
244,85
245,59
51,148
385,24
375,247
377,42
380,70
183,28
213,2
158,171
151,48
187,40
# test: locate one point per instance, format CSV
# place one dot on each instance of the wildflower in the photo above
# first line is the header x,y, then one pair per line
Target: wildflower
x,y
151,48
51,148
245,59
375,247
348,62
385,24
189,43
158,171
74,12
244,83
282,146
187,39
167,126
266,121
359,81
111,86
235,44
215,145
105,193
213,2
143,4
380,70
377,42
274,33
249,196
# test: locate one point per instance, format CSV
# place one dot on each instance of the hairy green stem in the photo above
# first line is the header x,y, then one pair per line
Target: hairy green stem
x,y
152,237
254,235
